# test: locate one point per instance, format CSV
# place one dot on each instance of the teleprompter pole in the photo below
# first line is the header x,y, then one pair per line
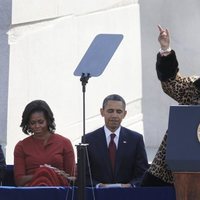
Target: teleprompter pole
x,y
81,148
92,64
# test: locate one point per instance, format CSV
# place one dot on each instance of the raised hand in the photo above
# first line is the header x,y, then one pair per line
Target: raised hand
x,y
163,38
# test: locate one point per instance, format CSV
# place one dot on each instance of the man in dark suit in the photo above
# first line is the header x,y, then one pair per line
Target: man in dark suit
x,y
2,165
130,159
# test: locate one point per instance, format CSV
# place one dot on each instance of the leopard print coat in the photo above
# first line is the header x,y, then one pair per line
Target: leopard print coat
x,y
185,92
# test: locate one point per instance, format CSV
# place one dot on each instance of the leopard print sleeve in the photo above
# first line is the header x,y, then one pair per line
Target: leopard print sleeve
x,y
159,167
182,89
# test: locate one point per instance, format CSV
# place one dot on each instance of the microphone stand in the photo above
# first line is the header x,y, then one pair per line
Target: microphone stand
x,y
81,148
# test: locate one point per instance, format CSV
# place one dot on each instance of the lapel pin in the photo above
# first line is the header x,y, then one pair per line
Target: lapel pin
x,y
124,142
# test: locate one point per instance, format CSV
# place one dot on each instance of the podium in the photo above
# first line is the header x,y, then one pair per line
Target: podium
x,y
183,150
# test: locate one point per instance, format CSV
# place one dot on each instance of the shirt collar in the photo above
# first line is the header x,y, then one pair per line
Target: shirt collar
x,y
108,132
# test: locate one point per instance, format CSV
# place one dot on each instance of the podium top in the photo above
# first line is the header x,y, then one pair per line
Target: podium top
x,y
98,54
183,142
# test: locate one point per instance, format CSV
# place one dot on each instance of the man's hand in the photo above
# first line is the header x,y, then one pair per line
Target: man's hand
x,y
163,38
126,185
101,185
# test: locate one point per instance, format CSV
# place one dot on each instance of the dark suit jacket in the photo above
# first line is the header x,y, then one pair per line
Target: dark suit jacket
x,y
2,164
131,158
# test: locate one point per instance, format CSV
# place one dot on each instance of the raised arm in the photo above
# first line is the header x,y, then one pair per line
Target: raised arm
x,y
185,90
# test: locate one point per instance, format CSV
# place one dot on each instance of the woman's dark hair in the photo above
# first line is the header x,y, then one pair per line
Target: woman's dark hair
x,y
113,97
37,106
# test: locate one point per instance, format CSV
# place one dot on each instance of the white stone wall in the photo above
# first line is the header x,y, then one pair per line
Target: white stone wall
x,y
46,40
5,21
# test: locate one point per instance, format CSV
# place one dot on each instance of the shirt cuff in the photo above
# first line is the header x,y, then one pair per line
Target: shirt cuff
x,y
165,52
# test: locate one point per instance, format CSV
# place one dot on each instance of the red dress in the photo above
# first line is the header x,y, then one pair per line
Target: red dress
x,y
31,153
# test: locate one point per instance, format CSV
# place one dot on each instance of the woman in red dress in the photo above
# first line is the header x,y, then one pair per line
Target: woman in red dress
x,y
45,158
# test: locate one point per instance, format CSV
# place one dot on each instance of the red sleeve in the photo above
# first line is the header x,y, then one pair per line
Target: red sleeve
x,y
19,161
69,158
